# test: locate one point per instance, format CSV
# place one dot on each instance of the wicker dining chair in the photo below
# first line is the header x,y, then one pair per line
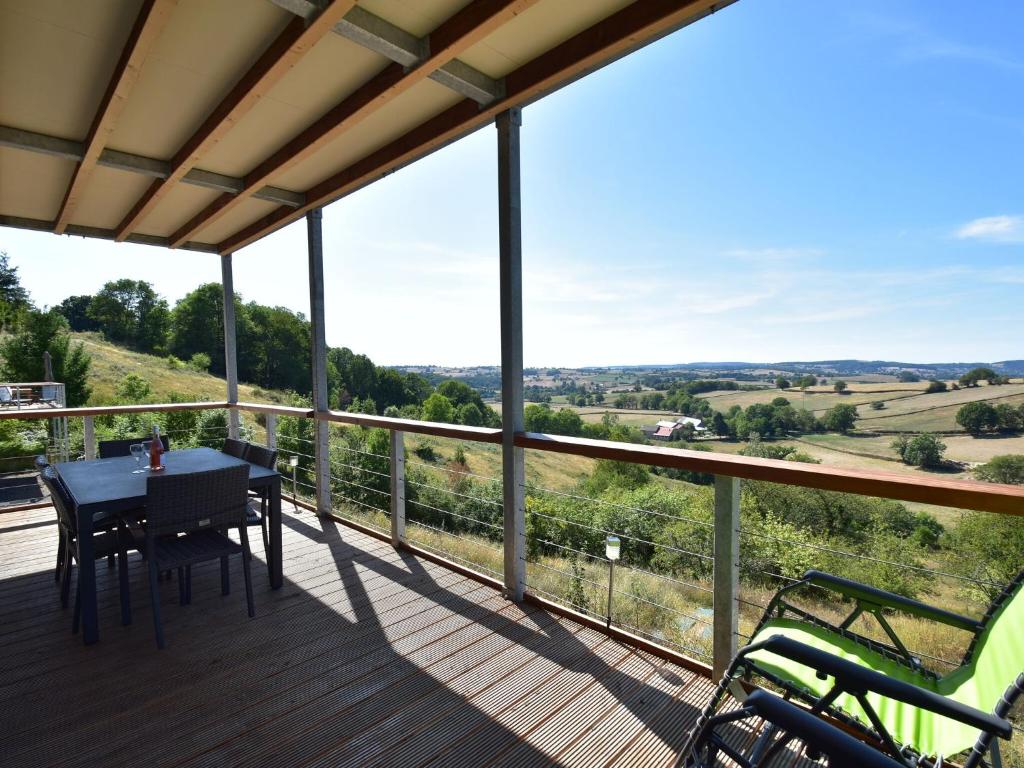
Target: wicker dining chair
x,y
185,517
233,447
41,463
110,449
262,457
106,542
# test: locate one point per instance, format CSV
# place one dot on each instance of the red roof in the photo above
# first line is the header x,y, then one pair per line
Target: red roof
x,y
663,432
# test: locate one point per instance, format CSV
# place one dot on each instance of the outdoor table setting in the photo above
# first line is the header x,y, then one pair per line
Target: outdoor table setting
x,y
101,488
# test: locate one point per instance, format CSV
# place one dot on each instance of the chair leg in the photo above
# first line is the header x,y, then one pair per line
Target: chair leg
x,y
154,596
111,561
61,545
65,584
124,589
246,559
266,533
225,577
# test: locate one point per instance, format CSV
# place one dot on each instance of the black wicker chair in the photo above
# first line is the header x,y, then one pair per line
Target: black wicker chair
x,y
112,448
234,447
185,517
263,457
41,464
107,542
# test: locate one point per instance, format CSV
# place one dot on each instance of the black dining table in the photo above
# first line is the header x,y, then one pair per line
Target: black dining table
x,y
102,488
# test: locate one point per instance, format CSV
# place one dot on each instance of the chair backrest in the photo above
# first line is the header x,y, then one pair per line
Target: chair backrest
x,y
112,448
264,457
41,463
61,499
196,501
234,447
996,657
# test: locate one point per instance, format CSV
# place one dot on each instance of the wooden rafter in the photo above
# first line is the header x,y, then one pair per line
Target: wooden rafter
x,y
632,27
460,32
150,23
281,56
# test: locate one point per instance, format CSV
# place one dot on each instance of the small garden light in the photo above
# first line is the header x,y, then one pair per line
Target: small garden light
x,y
293,462
612,550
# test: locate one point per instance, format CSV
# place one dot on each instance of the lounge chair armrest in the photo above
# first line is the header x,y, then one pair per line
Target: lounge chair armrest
x,y
883,599
844,750
859,680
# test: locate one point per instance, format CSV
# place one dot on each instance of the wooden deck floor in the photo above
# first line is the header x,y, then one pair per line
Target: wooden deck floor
x,y
366,657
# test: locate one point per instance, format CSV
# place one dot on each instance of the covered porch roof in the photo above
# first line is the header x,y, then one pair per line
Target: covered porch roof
x,y
210,124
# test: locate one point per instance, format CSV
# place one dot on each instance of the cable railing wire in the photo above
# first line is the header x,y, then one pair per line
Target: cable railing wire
x,y
868,558
447,469
455,514
619,506
453,493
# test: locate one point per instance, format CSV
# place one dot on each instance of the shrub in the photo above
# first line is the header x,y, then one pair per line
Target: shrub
x,y
1008,468
924,450
840,418
935,386
425,451
175,363
878,405
200,361
977,417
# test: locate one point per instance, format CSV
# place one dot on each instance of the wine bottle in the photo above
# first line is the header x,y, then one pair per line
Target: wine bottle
x,y
155,449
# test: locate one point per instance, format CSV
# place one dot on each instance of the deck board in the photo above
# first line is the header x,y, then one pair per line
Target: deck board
x,y
366,657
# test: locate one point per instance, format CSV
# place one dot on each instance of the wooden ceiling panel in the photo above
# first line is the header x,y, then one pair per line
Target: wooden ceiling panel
x,y
242,216
204,49
420,103
58,95
39,199
108,195
182,202
415,16
302,95
534,31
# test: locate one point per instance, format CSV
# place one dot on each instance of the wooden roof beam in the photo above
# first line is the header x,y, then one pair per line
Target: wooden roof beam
x,y
461,31
634,26
78,230
149,24
16,138
297,39
381,36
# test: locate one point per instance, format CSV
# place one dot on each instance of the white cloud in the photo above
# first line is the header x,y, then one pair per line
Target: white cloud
x,y
999,229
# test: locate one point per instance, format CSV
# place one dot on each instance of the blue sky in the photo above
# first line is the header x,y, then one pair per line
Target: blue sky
x,y
786,180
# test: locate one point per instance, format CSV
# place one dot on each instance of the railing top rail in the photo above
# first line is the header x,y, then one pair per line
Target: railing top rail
x,y
31,383
457,431
986,497
109,410
279,410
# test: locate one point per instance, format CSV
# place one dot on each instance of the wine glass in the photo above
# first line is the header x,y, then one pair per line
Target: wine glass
x,y
137,452
145,452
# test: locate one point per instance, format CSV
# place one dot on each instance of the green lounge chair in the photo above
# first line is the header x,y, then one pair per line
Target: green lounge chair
x,y
793,650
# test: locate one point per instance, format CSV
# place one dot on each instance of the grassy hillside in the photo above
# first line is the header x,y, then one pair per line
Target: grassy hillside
x,y
111,363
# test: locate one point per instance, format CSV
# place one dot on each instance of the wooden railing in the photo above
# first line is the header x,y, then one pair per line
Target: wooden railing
x,y
727,469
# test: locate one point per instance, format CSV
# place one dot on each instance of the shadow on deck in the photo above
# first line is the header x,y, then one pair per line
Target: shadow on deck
x,y
367,656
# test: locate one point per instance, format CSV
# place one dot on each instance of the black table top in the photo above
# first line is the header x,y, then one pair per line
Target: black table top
x,y
109,485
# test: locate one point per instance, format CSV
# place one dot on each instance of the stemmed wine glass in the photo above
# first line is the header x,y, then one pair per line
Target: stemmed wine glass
x,y
138,451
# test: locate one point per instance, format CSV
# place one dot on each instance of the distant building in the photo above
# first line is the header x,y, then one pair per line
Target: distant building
x,y
669,430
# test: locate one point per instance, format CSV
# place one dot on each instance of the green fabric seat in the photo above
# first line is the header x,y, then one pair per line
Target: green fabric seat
x,y
997,660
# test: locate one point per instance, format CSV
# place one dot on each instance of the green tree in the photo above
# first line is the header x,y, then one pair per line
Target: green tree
x,y
935,386
1008,418
782,383
200,361
76,311
1008,468
972,377
42,332
197,325
840,386
977,417
438,408
130,312
14,301
840,418
805,381
470,415
924,450
133,389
